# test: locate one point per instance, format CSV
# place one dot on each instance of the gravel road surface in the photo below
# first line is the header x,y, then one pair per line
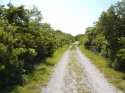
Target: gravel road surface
x,y
74,73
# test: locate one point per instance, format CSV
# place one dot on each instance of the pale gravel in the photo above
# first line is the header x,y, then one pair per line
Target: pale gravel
x,y
57,80
64,82
70,85
95,79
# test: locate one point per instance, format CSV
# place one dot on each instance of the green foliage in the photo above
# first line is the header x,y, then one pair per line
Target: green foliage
x,y
81,38
115,77
40,76
17,51
24,42
107,37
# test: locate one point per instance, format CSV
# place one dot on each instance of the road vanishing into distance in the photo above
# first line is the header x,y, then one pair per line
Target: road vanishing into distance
x,y
75,73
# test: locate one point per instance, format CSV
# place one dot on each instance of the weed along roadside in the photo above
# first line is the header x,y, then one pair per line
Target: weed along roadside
x,y
68,76
113,76
75,73
36,56
40,76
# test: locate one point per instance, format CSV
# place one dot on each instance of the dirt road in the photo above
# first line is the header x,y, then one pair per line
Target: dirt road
x,y
76,74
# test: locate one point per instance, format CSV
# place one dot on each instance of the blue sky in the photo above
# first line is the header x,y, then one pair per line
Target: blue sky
x,y
71,16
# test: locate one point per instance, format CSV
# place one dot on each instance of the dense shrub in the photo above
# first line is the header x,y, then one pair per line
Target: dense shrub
x,y
107,37
24,41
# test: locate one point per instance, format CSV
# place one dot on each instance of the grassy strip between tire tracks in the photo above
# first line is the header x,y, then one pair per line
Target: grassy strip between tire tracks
x,y
40,76
113,76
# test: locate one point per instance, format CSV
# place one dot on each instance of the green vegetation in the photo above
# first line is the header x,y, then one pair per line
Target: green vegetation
x,y
104,44
40,76
24,42
115,77
28,47
107,36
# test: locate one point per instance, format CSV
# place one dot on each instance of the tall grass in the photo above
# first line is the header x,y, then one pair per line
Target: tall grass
x,y
113,76
34,81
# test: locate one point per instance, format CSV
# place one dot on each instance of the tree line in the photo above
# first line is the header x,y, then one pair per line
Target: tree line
x,y
107,36
25,41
